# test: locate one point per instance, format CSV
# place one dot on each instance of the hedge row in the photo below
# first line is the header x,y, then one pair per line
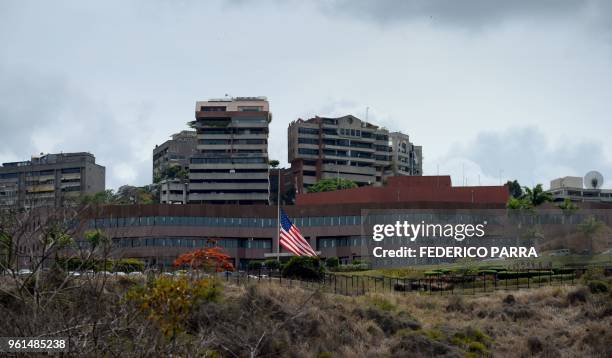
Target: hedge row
x,y
121,265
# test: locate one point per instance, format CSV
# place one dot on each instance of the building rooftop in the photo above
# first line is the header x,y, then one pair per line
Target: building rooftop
x,y
432,189
50,158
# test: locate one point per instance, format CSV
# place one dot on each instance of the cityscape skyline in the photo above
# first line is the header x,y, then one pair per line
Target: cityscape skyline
x,y
458,83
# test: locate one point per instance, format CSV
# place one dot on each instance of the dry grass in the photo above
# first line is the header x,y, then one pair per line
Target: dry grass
x,y
267,320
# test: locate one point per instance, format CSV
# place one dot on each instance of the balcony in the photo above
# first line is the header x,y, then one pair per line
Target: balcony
x,y
228,196
229,186
228,175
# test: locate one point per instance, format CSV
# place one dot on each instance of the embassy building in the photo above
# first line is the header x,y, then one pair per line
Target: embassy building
x,y
332,224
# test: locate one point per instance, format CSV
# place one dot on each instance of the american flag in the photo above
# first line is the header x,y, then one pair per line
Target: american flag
x,y
291,239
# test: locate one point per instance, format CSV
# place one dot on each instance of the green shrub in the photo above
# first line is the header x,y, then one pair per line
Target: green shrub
x,y
435,334
487,272
472,340
578,295
128,265
272,264
548,278
78,264
351,268
563,271
477,347
593,273
495,268
382,303
255,265
522,274
332,262
597,286
169,301
432,273
303,267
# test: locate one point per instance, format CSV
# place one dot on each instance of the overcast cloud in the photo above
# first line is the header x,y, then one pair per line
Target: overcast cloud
x,y
520,88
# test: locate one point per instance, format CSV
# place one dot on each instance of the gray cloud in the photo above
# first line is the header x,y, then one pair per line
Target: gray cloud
x,y
42,113
467,13
525,154
115,78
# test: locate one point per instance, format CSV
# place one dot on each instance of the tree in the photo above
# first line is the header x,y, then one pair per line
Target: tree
x,y
536,196
303,267
172,172
331,184
518,204
209,259
273,163
103,197
6,251
125,195
530,198
568,207
589,228
128,194
514,189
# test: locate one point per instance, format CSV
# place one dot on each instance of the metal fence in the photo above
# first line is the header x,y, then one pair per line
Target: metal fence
x,y
353,284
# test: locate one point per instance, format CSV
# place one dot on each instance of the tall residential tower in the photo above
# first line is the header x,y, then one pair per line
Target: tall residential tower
x,y
231,164
348,148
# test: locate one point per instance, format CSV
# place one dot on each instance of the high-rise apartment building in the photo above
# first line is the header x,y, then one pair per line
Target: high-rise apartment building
x,y
174,152
348,148
231,164
406,158
50,180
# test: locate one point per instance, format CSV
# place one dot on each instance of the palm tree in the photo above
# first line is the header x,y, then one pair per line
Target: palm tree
x,y
537,195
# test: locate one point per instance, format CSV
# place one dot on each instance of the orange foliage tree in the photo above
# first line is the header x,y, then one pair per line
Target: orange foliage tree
x,y
208,259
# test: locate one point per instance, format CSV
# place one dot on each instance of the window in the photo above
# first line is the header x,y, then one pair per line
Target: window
x,y
302,140
308,151
213,109
249,120
330,131
250,108
305,130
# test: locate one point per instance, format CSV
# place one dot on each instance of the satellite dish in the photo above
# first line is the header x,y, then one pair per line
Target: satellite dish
x,y
593,180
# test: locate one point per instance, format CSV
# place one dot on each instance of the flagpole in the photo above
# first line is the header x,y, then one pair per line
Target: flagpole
x,y
278,201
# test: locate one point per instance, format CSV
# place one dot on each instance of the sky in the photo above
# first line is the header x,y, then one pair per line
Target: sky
x,y
492,90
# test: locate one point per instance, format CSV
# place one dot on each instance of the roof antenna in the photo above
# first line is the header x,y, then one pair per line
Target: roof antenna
x,y
367,112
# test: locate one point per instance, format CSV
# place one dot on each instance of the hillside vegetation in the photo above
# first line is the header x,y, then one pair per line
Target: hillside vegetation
x,y
199,316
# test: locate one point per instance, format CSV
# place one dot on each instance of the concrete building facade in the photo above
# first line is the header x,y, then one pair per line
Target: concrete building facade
x,y
174,152
157,234
174,191
231,164
349,148
572,188
50,180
